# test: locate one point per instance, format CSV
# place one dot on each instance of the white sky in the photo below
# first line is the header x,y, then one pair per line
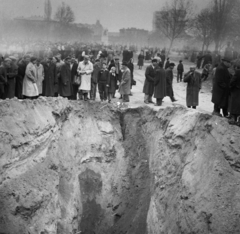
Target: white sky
x,y
113,14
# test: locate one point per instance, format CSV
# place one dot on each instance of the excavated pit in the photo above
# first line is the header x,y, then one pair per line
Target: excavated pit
x,y
68,168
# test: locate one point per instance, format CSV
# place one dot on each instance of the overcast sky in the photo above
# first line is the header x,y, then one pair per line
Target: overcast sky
x,y
113,14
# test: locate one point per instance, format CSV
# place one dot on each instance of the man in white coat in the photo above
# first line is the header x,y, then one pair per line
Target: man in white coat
x,y
85,69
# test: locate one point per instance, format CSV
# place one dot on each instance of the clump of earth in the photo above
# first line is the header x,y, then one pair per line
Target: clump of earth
x,y
76,167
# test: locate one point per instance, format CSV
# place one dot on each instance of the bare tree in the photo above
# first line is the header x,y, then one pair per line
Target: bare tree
x,y
222,11
47,10
173,19
65,14
203,27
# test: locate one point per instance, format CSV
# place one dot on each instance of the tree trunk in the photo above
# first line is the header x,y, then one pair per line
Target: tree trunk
x,y
170,47
203,46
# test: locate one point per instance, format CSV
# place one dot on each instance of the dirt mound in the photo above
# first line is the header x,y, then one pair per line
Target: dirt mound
x,y
87,168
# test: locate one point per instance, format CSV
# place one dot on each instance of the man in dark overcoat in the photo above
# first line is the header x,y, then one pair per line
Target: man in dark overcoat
x,y
65,83
148,88
94,79
50,78
169,78
221,88
73,67
160,84
234,107
193,80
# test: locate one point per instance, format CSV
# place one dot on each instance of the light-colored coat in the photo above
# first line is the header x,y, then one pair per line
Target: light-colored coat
x,y
125,85
85,70
40,77
29,82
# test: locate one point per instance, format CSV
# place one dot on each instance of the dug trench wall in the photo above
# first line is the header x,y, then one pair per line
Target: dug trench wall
x,y
68,168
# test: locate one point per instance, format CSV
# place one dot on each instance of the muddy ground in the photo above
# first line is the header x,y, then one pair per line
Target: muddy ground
x,y
87,168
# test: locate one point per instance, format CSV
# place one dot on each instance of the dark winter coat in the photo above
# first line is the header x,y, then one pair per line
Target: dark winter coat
x,y
74,71
160,83
103,76
96,70
180,68
193,81
169,79
234,107
167,64
50,79
112,83
221,87
148,87
19,80
65,84
140,60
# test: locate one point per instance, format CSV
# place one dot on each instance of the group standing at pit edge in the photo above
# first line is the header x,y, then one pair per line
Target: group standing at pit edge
x,y
79,79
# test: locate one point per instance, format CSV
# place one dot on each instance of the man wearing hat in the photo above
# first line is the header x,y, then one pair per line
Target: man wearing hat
x,y
125,85
169,77
148,88
221,88
85,69
193,80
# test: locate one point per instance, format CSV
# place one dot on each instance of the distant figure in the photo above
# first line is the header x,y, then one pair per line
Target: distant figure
x,y
228,52
148,88
160,84
206,71
140,60
163,57
207,58
180,70
169,78
167,64
193,80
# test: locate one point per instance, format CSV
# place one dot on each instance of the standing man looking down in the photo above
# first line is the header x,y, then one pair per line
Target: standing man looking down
x,y
169,77
193,80
160,84
125,85
148,88
221,88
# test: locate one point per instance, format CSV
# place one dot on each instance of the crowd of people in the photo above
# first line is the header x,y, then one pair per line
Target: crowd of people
x,y
74,73
77,71
225,80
